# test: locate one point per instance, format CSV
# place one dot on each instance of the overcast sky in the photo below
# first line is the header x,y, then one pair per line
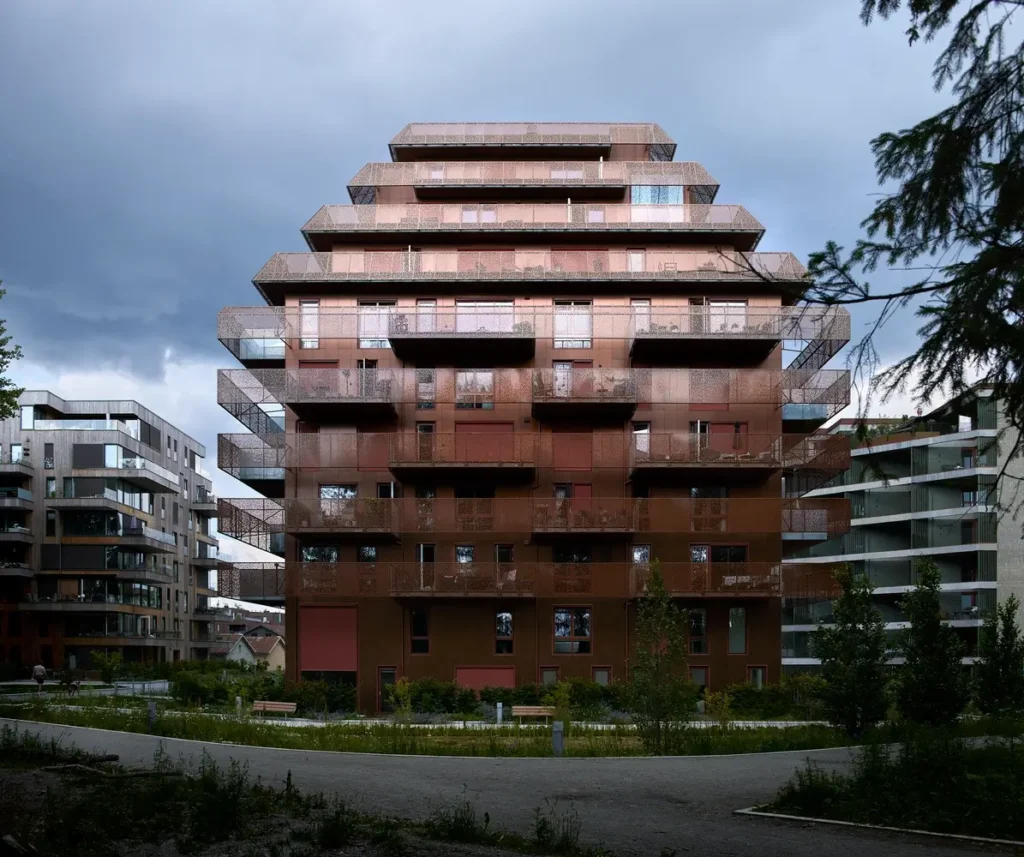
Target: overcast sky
x,y
154,155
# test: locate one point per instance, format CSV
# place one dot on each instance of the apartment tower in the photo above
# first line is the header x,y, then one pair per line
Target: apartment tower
x,y
106,543
526,362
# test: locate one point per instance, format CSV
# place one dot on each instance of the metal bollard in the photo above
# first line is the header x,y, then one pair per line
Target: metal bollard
x,y
499,714
151,712
238,706
557,738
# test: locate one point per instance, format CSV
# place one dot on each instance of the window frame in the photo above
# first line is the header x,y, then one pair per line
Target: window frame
x,y
543,669
707,675
692,638
595,670
764,677
561,343
746,633
573,637
510,639
419,638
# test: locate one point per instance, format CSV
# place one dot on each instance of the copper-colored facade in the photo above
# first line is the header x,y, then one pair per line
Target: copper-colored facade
x,y
526,362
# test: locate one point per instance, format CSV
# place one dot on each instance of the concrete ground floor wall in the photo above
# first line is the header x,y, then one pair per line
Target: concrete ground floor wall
x,y
372,640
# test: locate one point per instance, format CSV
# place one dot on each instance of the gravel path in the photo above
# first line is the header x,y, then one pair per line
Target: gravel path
x,y
630,805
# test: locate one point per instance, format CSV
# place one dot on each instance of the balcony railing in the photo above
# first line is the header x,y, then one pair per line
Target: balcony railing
x,y
541,265
142,531
132,429
554,174
530,134
827,392
251,581
250,456
527,579
255,520
559,217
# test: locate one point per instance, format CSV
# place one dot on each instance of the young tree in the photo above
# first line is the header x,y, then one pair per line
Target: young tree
x,y
9,393
950,223
853,657
932,685
661,695
1000,668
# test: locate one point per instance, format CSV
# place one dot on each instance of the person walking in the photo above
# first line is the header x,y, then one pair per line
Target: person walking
x,y
39,674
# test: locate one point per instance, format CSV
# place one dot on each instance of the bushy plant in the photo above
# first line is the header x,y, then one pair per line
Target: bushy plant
x,y
109,666
1000,668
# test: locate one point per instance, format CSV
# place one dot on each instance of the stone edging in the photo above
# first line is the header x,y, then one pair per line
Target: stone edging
x,y
752,811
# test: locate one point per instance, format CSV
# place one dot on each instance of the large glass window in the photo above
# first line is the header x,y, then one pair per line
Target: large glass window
x,y
419,631
698,631
484,316
574,324
503,633
737,630
656,195
28,417
572,631
426,389
374,317
474,390
309,324
319,553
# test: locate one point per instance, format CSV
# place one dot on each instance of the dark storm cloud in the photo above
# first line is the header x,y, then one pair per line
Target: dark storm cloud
x,y
153,156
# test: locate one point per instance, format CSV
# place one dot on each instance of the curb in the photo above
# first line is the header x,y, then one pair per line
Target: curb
x,y
912,831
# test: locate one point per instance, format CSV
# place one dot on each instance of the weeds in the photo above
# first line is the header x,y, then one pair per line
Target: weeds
x,y
557,832
459,823
386,834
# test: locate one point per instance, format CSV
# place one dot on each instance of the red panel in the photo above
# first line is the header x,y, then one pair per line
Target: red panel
x,y
327,638
729,437
373,451
572,450
494,428
477,678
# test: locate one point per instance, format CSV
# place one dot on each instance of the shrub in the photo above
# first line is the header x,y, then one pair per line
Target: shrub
x,y
433,696
197,689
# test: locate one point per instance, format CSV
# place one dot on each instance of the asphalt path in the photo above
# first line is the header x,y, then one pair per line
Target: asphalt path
x,y
635,806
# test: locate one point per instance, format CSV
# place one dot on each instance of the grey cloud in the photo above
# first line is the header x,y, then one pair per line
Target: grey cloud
x,y
154,155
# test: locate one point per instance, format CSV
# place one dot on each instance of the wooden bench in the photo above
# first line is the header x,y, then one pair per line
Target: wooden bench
x,y
265,706
522,711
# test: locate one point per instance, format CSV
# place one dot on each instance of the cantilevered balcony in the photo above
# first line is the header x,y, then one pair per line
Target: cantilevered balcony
x,y
258,461
420,140
344,394
257,521
258,582
812,398
603,395
536,181
731,450
14,532
148,475
586,268
203,501
141,537
17,463
741,333
204,556
334,225
16,498
463,455
494,334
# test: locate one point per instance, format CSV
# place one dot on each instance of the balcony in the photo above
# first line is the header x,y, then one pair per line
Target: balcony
x,y
257,461
104,639
739,332
731,224
204,501
204,556
16,498
585,267
498,334
551,181
810,398
17,463
19,568
16,533
474,454
131,429
418,138
81,604
141,537
716,579
258,521
142,472
601,395
258,582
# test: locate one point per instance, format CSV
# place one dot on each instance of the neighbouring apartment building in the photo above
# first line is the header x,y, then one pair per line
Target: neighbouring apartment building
x,y
922,487
524,363
106,541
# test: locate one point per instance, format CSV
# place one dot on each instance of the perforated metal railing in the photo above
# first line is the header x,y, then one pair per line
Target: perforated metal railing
x,y
554,173
583,217
251,332
240,389
529,264
259,582
248,456
257,520
530,133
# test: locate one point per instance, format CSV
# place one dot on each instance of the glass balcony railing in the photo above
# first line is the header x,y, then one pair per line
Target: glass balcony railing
x,y
144,464
132,429
145,532
15,494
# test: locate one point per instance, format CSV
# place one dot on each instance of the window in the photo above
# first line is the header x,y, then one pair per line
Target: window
x,y
571,554
548,675
574,324
641,555
698,631
373,323
636,263
28,417
503,554
464,553
728,553
726,316
419,631
426,553
484,316
641,308
367,553
656,195
474,390
503,633
572,631
709,492
51,487
309,324
51,522
602,675
426,316
16,453
699,676
387,490
426,389
48,456
320,553
337,492
737,630
756,676
642,439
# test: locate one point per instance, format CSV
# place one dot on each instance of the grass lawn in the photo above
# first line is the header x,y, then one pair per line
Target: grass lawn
x,y
934,780
438,740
